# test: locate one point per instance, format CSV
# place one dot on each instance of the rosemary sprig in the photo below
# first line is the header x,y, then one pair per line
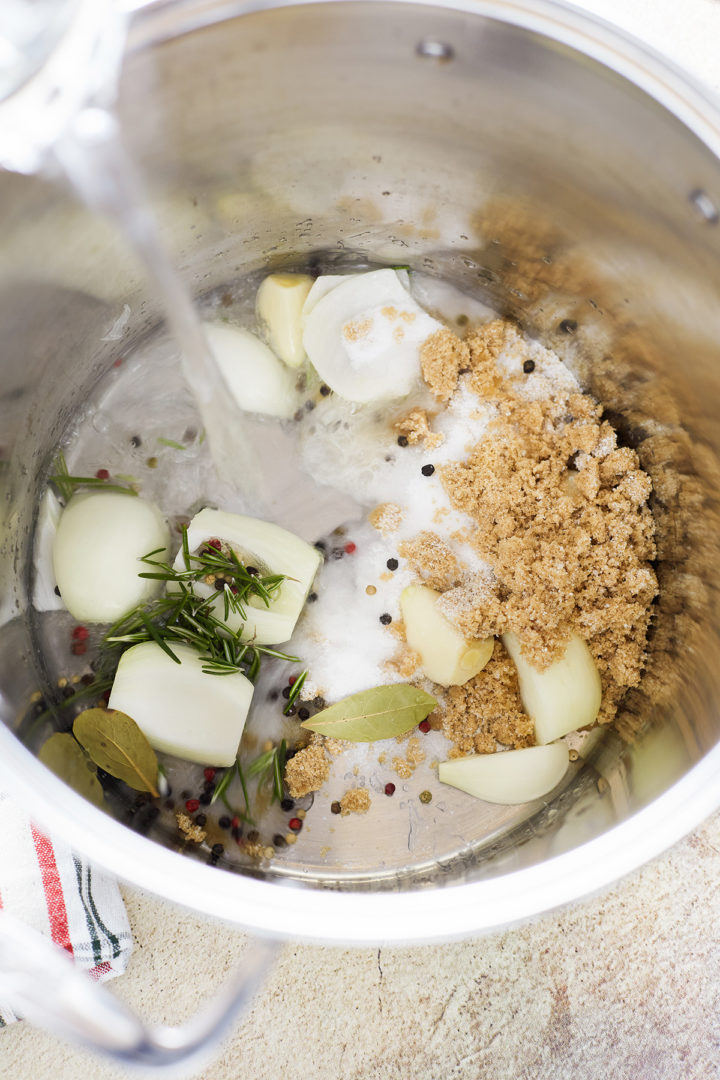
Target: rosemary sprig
x,y
183,617
295,690
66,485
271,763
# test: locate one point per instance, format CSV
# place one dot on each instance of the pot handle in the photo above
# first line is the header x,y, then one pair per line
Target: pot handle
x,y
39,981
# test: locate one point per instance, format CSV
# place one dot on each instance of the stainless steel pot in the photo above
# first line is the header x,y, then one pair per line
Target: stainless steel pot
x,y
520,150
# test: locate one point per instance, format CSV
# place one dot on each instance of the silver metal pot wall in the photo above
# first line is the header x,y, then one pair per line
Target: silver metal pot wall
x,y
519,150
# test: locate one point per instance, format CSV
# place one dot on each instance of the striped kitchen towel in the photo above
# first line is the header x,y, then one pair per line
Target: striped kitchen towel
x,y
50,888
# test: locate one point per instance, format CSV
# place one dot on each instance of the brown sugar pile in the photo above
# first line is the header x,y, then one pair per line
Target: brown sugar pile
x,y
486,710
307,771
355,801
561,518
431,558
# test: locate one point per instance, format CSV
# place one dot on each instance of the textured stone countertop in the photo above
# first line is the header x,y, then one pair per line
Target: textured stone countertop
x,y
625,985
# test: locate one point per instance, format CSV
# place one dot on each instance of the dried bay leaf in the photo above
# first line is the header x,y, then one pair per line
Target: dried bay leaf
x,y
63,756
381,713
115,743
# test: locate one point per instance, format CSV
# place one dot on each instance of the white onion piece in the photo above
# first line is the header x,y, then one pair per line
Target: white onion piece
x,y
364,337
509,777
255,377
327,282
100,539
562,698
272,550
448,658
181,709
279,305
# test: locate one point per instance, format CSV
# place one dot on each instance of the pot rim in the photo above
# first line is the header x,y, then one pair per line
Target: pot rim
x,y
345,918
429,914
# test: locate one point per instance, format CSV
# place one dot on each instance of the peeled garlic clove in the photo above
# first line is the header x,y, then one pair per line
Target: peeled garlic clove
x,y
181,709
448,658
509,777
100,539
279,305
563,697
363,337
255,377
271,550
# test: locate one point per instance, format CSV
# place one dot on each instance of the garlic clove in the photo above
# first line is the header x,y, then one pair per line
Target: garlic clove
x,y
562,698
279,306
448,658
509,777
258,381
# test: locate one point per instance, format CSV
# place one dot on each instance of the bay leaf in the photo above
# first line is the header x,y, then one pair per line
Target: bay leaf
x,y
115,743
63,756
381,713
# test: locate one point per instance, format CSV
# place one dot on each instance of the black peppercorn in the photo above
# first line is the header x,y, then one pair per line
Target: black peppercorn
x,y
312,598
528,366
224,822
290,710
385,619
253,571
402,440
335,808
568,326
218,849
286,692
136,441
253,836
427,470
319,702
206,798
287,804
392,564
324,390
237,832
279,840
201,820
304,714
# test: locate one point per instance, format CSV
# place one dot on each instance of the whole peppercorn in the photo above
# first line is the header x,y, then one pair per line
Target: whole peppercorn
x,y
102,474
335,808
295,824
402,440
392,564
390,789
304,714
218,849
424,726
224,822
528,366
287,804
192,805
279,840
206,798
425,796
201,820
386,619
427,470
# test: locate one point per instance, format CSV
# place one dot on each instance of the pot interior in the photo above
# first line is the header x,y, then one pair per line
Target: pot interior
x,y
473,150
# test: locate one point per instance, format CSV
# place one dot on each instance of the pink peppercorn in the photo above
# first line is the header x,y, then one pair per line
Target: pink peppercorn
x,y
295,824
192,805
235,823
350,547
102,474
424,726
292,680
80,633
389,789
209,774
78,648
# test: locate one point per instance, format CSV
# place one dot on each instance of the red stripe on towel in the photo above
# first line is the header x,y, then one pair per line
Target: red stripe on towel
x,y
54,897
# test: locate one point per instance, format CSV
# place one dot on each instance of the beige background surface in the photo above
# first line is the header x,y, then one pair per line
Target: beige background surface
x,y
625,986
